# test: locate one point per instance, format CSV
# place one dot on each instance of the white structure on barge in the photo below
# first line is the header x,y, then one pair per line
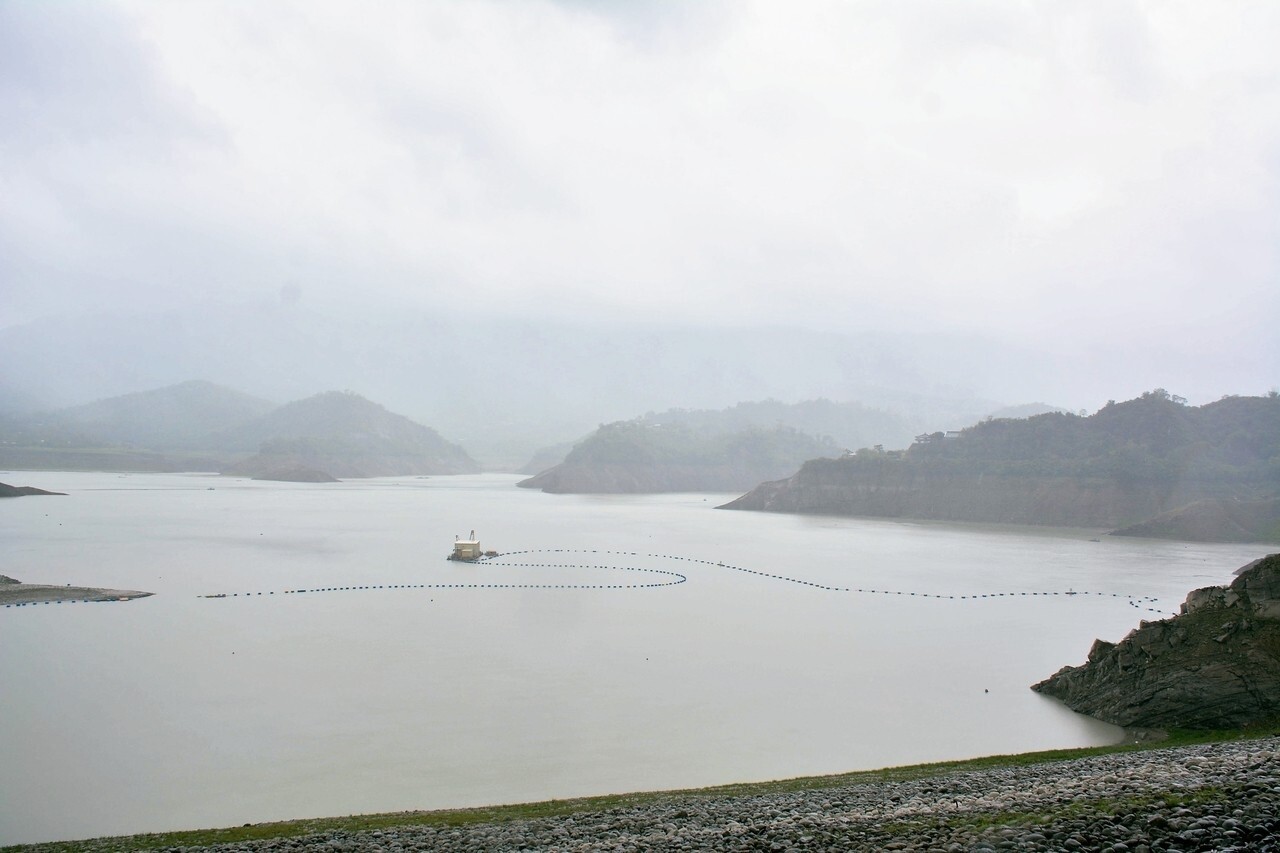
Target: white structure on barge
x,y
467,550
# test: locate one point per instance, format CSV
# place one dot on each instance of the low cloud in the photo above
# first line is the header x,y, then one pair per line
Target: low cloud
x,y
1100,174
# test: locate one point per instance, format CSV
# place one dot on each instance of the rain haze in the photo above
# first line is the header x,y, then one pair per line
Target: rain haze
x,y
1012,201
930,298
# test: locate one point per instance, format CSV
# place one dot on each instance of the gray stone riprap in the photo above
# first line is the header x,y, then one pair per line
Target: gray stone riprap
x,y
1223,797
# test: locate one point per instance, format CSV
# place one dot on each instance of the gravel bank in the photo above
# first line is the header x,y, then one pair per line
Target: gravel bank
x,y
1223,797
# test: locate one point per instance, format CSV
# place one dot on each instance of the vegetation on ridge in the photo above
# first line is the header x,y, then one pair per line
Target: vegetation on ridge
x,y
1125,464
635,456
1155,438
344,434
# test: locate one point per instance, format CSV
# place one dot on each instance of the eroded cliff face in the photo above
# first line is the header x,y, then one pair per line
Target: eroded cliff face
x,y
898,489
1215,665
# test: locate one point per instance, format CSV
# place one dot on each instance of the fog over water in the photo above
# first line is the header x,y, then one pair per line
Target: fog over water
x,y
513,221
179,711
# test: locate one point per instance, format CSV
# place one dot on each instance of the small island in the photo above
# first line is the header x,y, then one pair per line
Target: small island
x,y
14,593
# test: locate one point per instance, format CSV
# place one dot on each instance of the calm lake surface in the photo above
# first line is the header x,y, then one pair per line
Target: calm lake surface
x,y
179,711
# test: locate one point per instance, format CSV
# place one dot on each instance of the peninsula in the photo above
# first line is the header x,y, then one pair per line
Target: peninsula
x,y
1207,472
7,491
14,593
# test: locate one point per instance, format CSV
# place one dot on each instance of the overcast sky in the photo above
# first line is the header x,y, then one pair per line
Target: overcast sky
x,y
1059,174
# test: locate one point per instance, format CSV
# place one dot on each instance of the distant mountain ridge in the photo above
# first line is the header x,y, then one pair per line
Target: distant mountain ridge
x,y
835,426
1127,463
202,426
181,416
506,385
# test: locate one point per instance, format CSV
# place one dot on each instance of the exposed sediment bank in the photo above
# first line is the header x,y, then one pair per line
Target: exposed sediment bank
x,y
16,594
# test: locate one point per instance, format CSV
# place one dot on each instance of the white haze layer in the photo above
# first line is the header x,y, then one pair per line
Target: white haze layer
x,y
1088,189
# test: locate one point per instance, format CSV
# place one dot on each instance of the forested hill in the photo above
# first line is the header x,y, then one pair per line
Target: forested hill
x,y
175,417
1154,438
199,426
847,424
638,456
1123,465
345,435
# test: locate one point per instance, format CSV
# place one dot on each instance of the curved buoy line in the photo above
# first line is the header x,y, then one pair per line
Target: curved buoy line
x,y
674,578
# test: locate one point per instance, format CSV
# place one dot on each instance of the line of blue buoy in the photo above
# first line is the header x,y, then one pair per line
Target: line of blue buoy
x,y
676,578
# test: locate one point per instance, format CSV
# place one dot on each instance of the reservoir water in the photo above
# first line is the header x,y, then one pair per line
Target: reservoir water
x,y
400,680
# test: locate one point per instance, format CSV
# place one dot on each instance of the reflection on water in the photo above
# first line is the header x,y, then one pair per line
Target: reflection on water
x,y
415,682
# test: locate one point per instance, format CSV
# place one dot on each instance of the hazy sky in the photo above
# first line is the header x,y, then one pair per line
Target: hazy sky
x,y
1059,174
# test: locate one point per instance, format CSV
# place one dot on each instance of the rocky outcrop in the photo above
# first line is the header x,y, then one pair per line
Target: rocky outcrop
x,y
1221,520
7,491
1215,665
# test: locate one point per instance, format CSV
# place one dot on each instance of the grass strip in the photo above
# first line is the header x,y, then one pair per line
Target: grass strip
x,y
451,818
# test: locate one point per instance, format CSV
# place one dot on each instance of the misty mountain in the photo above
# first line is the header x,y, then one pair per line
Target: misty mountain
x,y
175,417
1125,464
345,435
198,425
848,425
836,424
505,385
548,457
636,456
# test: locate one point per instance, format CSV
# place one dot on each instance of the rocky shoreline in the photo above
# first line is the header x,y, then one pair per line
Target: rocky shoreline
x,y
1222,796
1216,665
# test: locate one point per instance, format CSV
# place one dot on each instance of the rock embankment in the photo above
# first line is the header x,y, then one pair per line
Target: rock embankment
x,y
1223,797
1215,665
